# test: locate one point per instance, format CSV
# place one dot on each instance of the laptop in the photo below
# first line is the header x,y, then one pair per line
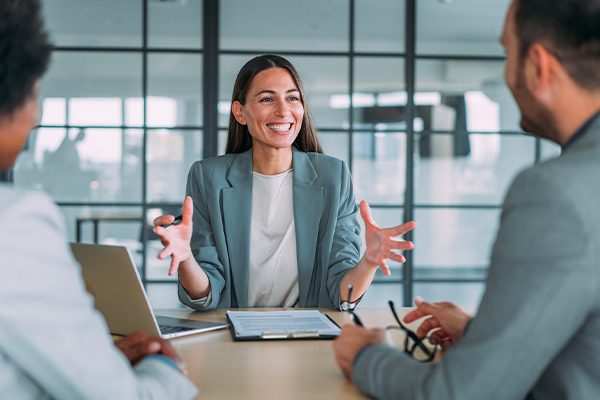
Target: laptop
x,y
111,277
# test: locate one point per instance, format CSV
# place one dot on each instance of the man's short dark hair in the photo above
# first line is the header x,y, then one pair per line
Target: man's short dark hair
x,y
568,28
24,52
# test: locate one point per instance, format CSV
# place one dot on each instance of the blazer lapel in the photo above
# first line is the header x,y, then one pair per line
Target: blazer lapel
x,y
308,207
237,212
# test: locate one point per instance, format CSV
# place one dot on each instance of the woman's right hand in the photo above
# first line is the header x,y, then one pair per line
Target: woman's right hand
x,y
176,238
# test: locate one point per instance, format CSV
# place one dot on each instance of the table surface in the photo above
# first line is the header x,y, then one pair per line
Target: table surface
x,y
283,369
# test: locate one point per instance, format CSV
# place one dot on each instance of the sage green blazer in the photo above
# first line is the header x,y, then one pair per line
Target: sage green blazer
x,y
327,230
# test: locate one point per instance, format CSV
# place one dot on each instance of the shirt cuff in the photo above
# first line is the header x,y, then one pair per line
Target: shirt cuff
x,y
163,359
201,301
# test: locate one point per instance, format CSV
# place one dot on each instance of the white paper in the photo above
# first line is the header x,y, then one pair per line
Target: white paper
x,y
282,324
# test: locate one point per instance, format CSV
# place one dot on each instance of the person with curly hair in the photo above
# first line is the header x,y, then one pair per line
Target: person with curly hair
x,y
53,343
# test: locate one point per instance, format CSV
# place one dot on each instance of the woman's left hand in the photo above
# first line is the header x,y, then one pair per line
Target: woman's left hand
x,y
381,243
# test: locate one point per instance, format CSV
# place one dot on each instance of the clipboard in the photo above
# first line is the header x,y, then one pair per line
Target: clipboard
x,y
281,325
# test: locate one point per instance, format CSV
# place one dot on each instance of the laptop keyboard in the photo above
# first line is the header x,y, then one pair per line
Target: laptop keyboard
x,y
168,329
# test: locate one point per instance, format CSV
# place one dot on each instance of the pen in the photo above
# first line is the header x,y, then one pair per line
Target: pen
x,y
356,320
176,221
351,313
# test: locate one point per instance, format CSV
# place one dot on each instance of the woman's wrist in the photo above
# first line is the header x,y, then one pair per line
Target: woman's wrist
x,y
365,265
193,278
187,261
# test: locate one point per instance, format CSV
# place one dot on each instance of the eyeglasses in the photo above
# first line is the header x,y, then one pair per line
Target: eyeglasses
x,y
411,341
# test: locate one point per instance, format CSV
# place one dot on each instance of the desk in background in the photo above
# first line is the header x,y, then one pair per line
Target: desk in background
x,y
95,220
296,369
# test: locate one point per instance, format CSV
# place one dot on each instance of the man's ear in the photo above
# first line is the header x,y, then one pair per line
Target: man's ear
x,y
236,109
540,70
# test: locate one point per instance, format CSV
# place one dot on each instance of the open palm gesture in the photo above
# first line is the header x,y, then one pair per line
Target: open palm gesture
x,y
176,238
382,243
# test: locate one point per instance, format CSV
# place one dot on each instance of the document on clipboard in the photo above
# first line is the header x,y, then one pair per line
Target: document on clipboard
x,y
285,324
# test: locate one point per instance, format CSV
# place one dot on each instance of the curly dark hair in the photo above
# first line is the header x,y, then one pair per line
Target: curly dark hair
x,y
24,52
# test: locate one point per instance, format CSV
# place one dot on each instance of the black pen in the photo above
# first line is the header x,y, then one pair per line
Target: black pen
x,y
351,313
356,320
176,221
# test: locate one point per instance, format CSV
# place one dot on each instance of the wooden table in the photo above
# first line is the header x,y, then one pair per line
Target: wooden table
x,y
290,369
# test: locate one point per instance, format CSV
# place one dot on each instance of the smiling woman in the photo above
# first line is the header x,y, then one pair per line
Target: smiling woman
x,y
256,85
272,115
273,222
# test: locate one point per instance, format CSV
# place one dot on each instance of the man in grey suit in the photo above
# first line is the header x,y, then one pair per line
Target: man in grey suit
x,y
53,344
537,330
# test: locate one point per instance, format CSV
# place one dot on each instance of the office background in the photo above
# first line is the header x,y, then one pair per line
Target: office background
x,y
409,92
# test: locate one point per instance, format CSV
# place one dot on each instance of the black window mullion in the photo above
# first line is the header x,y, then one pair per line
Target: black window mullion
x,y
409,70
210,63
144,236
7,176
351,86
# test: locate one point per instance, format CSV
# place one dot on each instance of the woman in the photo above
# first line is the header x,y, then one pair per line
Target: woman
x,y
273,222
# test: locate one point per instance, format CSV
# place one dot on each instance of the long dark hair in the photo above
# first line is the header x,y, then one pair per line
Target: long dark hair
x,y
238,137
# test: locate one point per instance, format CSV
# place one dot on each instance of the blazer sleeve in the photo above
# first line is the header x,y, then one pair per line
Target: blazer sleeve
x,y
345,250
50,329
203,244
541,288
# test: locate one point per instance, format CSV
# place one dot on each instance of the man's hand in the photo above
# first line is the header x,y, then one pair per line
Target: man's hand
x,y
445,324
139,345
349,343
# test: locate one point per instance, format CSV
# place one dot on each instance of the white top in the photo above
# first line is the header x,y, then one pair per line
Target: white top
x,y
273,275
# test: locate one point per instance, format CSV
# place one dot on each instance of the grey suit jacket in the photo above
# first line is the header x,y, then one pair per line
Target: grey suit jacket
x,y
53,344
327,231
537,330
